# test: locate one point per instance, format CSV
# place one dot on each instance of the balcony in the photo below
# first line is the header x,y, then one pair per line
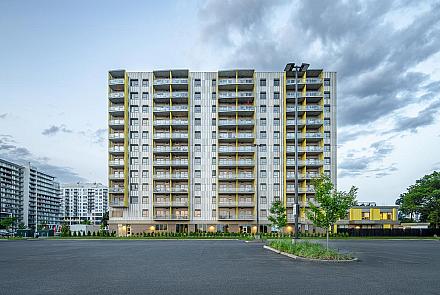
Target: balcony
x,y
167,94
171,217
161,203
236,189
118,81
171,189
116,150
116,123
116,163
116,176
307,149
116,190
228,163
301,190
240,122
291,162
170,163
168,149
116,136
308,122
307,108
309,135
233,149
291,175
180,203
233,94
158,82
226,109
116,97
171,176
179,81
116,110
245,203
304,81
236,176
233,136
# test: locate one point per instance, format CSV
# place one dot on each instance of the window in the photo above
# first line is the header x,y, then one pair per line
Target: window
x,y
276,109
326,82
198,173
262,109
276,95
197,161
134,148
197,82
214,187
263,174
197,187
145,200
197,109
144,109
134,122
327,161
262,122
144,134
365,215
263,135
276,187
144,82
263,187
134,173
213,95
276,122
262,95
326,94
214,134
276,161
214,213
161,226
263,213
197,200
197,148
327,122
145,213
144,122
214,173
276,135
197,96
133,199
214,109
276,148
145,148
213,200
326,134
327,109
326,148
197,122
214,148
134,161
144,95
134,109
134,135
197,135
263,148
134,82
262,82
213,122
263,161
214,82
276,174
134,95
276,82
263,200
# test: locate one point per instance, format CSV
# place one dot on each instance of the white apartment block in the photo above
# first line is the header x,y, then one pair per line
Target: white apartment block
x,y
30,195
83,202
211,151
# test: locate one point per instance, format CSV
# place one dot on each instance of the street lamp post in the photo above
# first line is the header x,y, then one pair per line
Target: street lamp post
x,y
289,67
257,233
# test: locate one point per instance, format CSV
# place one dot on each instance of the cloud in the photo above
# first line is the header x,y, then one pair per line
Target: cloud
x,y
373,45
370,164
12,152
3,116
425,117
53,130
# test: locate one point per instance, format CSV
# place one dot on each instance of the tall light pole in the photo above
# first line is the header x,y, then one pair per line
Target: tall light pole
x,y
289,67
257,233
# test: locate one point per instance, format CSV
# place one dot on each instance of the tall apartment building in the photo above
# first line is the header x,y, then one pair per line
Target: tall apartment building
x,y
192,151
83,202
29,194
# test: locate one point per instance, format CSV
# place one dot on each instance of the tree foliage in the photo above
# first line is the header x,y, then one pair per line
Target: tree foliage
x,y
331,205
277,217
421,201
7,222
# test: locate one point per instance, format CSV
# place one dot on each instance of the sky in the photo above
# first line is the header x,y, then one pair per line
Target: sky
x,y
55,55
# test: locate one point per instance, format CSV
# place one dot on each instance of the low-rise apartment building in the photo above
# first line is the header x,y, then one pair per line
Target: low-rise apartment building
x,y
367,215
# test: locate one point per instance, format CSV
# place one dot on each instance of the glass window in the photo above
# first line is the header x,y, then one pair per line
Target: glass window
x,y
134,82
134,95
197,82
263,135
326,82
262,82
197,135
276,95
198,109
262,95
262,109
144,95
144,82
197,122
262,122
276,82
198,173
197,96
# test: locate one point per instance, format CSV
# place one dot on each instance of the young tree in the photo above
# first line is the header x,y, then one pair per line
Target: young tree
x,y
7,222
65,230
278,217
332,205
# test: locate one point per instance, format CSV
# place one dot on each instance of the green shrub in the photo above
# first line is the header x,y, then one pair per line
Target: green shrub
x,y
308,250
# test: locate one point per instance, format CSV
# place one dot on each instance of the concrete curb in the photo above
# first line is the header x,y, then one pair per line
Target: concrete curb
x,y
304,258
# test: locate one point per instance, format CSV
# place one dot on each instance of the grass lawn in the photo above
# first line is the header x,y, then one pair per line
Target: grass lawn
x,y
308,250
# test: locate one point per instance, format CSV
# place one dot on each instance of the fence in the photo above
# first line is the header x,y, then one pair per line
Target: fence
x,y
396,232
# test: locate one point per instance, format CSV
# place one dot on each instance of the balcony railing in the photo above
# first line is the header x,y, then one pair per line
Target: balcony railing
x,y
233,94
236,176
305,122
116,136
170,135
291,149
116,176
116,109
166,149
170,163
236,163
116,189
236,109
304,81
119,81
236,189
168,176
171,189
116,149
307,162
116,122
315,108
227,149
235,122
170,108
291,135
166,94
116,162
171,217
235,135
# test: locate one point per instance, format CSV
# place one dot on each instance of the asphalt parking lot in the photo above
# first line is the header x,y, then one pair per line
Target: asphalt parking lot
x,y
213,267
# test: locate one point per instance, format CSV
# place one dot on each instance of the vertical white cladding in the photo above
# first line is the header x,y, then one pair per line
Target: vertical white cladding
x,y
202,141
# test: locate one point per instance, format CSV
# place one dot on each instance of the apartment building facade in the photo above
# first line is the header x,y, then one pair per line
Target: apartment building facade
x,y
211,151
368,215
30,195
83,202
